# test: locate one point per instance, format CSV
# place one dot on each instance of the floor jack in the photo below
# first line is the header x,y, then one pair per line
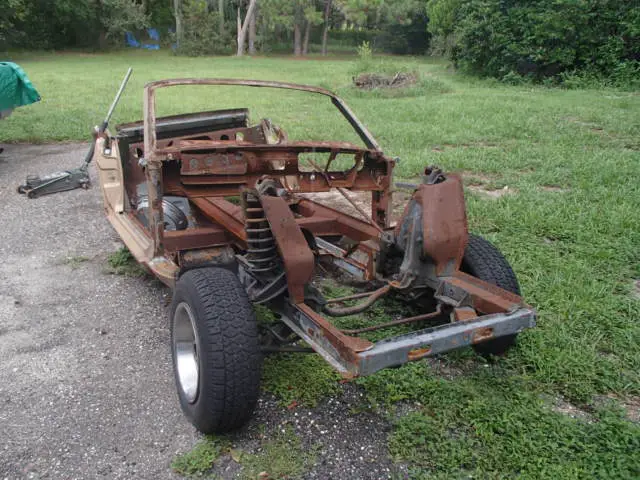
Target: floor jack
x,y
37,186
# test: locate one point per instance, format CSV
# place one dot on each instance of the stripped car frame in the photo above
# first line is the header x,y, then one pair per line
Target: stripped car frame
x,y
274,237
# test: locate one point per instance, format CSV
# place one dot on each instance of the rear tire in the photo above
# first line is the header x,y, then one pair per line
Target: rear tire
x,y
214,345
484,261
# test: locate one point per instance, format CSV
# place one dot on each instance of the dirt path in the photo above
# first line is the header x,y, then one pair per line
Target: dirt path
x,y
86,387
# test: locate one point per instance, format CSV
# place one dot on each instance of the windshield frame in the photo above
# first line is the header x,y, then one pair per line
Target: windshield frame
x,y
150,141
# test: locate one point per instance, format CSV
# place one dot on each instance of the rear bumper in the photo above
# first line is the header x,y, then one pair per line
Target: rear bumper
x,y
412,346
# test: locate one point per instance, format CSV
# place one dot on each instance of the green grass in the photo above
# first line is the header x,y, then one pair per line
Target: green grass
x,y
75,262
199,461
299,379
122,262
281,457
575,247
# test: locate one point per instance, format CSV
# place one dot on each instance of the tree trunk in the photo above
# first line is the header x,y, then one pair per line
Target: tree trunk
x,y
102,30
252,33
221,15
325,29
244,27
297,40
177,13
307,32
102,39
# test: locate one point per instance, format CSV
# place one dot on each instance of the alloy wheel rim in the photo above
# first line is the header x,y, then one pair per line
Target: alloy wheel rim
x,y
185,347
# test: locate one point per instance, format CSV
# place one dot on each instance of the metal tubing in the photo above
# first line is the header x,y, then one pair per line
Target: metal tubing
x,y
350,297
401,321
341,312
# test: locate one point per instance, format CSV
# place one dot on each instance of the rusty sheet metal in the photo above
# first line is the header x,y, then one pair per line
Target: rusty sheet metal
x,y
336,255
294,250
165,269
298,147
213,256
485,297
301,182
443,338
482,335
175,240
318,225
346,345
155,212
215,164
225,213
349,226
353,356
444,222
462,314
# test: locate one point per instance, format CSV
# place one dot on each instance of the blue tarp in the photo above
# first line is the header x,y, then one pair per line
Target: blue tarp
x,y
131,40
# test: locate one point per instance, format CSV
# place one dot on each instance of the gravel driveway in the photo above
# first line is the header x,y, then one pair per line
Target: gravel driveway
x,y
86,387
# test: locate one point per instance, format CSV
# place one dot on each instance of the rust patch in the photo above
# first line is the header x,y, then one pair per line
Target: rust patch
x,y
463,314
482,334
418,353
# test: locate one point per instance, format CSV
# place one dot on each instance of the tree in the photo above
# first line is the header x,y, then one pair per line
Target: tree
x,y
177,12
311,17
296,17
252,32
221,19
325,28
374,13
120,16
444,16
244,26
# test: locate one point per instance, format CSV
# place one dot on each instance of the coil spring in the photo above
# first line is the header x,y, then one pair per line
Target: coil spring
x,y
262,254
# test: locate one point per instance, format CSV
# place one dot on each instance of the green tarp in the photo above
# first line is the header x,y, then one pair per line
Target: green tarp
x,y
16,89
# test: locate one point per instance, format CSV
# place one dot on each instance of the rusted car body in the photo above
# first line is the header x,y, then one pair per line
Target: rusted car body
x,y
167,184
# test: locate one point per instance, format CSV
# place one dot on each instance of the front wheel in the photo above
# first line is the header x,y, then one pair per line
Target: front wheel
x,y
484,261
215,350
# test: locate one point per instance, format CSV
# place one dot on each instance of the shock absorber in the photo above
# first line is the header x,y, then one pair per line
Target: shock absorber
x,y
262,254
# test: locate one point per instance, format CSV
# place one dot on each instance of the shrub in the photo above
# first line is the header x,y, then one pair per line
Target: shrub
x,y
201,35
541,38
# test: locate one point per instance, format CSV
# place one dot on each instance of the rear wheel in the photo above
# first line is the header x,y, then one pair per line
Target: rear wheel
x,y
484,261
216,355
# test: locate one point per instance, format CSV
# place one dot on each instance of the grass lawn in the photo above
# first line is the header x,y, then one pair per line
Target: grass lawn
x,y
553,179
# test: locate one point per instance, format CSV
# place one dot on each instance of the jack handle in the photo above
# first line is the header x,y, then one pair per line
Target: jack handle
x,y
100,130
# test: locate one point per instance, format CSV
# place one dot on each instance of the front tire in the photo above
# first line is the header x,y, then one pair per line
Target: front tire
x,y
216,355
484,261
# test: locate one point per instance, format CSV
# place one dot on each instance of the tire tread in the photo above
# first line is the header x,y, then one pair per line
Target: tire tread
x,y
232,357
484,261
